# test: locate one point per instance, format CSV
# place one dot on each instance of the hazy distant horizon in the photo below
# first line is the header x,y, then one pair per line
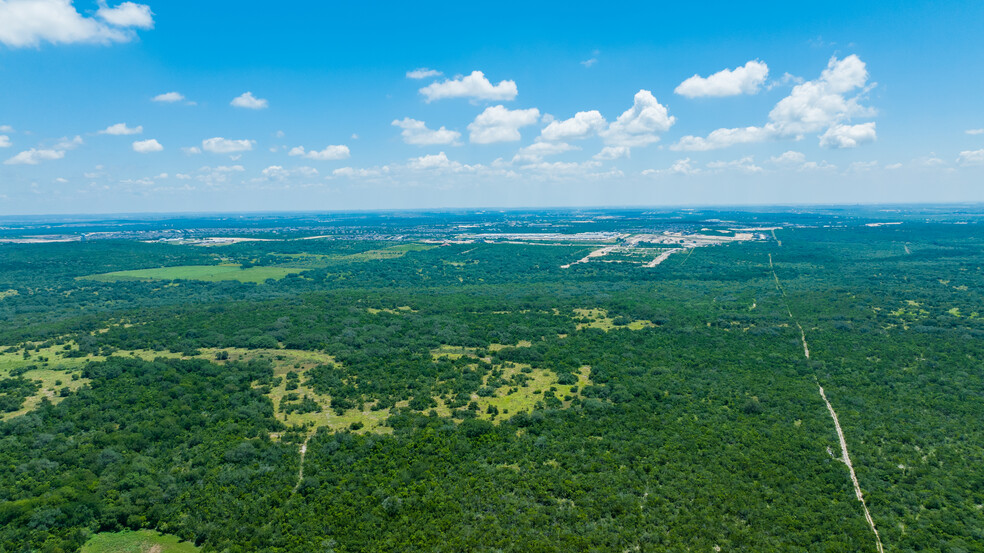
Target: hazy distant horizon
x,y
911,207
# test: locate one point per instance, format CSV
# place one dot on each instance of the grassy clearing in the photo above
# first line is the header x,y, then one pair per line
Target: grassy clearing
x,y
285,361
398,311
389,253
47,365
8,294
457,352
56,372
453,352
321,261
537,384
598,318
525,386
520,344
208,273
141,541
54,383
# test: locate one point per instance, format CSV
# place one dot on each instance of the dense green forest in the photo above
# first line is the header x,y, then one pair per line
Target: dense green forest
x,y
420,393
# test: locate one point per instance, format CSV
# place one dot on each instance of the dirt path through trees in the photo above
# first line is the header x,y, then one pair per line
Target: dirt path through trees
x,y
845,455
846,458
662,257
300,470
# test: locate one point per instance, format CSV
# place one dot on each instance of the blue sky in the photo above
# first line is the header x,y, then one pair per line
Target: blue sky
x,y
609,103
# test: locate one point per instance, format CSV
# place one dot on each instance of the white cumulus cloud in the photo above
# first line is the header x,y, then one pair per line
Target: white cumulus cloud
x,y
815,105
536,151
28,23
147,146
121,129
968,131
613,152
824,104
361,173
127,14
474,86
743,165
416,132
278,173
722,138
69,143
683,166
37,155
5,141
848,136
329,153
219,145
423,73
791,157
582,125
500,124
248,101
34,156
430,161
638,125
971,157
169,97
747,79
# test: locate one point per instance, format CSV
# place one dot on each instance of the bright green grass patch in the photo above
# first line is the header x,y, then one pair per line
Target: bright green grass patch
x,y
510,400
391,252
49,366
327,260
452,352
598,318
141,541
46,365
285,361
398,311
208,273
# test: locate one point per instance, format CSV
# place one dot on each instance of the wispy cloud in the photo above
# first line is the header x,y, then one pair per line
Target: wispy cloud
x,y
423,73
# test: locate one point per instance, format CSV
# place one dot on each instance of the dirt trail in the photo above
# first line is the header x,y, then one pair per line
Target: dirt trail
x,y
846,459
845,455
688,256
662,257
596,253
300,471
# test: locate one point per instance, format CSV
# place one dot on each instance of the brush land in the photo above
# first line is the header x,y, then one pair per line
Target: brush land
x,y
509,381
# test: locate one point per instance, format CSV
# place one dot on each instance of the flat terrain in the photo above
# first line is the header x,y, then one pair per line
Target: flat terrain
x,y
141,541
207,273
460,382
